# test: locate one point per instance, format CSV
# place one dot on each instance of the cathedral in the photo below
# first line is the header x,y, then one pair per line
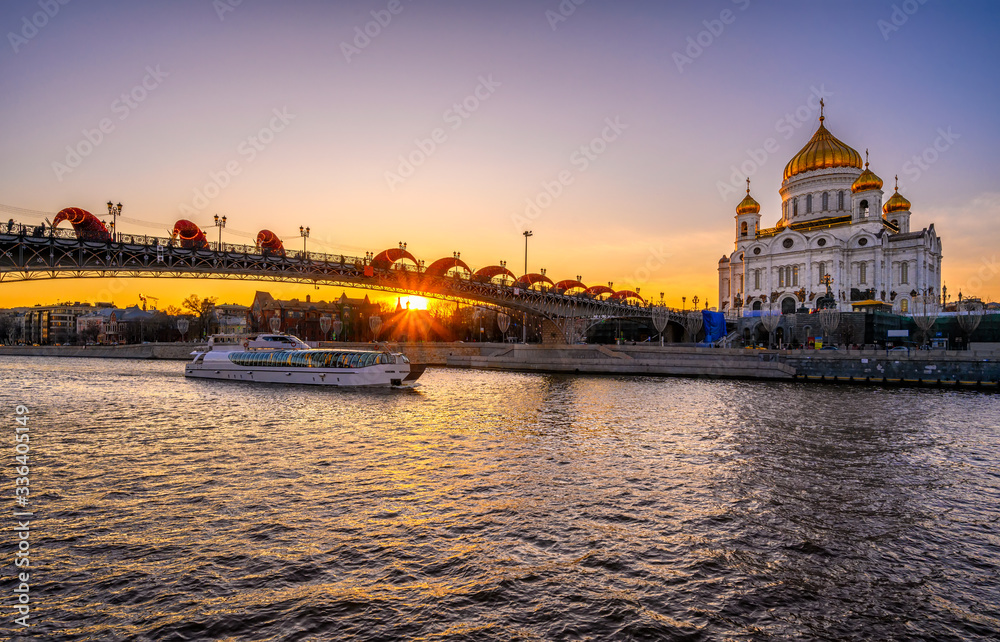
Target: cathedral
x,y
836,244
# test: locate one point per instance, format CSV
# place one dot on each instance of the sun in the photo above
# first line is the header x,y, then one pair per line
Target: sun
x,y
415,302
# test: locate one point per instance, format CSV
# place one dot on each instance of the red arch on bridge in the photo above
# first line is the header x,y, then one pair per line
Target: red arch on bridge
x,y
190,235
622,295
490,271
268,240
570,284
598,290
441,266
87,226
386,258
529,280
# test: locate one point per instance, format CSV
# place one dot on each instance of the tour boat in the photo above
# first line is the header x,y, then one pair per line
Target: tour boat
x,y
283,358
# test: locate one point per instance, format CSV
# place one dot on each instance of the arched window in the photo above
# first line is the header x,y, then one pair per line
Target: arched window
x,y
863,273
788,305
840,200
795,206
904,272
822,271
826,201
904,305
756,305
809,203
743,228
863,208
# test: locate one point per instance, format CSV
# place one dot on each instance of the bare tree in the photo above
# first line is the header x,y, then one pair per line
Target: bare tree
x,y
203,309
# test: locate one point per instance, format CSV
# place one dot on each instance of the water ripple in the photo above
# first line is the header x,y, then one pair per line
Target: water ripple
x,y
502,506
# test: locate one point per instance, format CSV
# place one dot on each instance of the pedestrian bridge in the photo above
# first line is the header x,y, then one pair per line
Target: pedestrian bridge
x,y
30,252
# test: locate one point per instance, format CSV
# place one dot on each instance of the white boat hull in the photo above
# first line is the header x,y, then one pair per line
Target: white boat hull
x,y
372,376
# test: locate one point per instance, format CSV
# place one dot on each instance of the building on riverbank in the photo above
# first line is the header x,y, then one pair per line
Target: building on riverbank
x,y
834,228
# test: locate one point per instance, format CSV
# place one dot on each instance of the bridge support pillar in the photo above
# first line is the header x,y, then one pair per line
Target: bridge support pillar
x,y
563,331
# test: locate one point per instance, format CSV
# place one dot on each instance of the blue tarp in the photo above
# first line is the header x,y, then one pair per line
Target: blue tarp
x,y
715,325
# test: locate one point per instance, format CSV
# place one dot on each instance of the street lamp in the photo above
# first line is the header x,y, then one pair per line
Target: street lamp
x,y
527,234
220,223
304,233
115,211
694,302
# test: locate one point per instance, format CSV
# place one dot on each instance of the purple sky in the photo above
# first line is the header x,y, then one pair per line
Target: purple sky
x,y
495,101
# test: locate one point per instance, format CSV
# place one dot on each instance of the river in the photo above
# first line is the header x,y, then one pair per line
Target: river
x,y
499,506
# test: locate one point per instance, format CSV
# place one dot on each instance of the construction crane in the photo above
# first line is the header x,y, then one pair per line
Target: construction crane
x,y
150,298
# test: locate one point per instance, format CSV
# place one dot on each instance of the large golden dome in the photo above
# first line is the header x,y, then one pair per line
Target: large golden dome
x,y
821,152
896,202
748,205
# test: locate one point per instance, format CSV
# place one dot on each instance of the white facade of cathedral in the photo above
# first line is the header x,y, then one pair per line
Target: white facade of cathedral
x,y
833,223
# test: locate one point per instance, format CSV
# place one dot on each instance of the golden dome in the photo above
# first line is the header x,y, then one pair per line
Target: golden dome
x,y
896,202
867,181
748,205
821,152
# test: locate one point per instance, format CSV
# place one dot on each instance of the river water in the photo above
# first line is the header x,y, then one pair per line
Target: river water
x,y
499,506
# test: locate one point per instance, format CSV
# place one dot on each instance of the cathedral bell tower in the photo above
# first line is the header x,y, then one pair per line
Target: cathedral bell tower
x,y
866,196
747,219
897,211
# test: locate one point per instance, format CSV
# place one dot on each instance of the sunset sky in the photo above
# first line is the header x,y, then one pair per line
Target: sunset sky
x,y
619,132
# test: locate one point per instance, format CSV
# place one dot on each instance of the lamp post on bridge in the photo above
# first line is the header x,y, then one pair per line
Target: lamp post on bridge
x,y
524,327
220,223
304,233
115,211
